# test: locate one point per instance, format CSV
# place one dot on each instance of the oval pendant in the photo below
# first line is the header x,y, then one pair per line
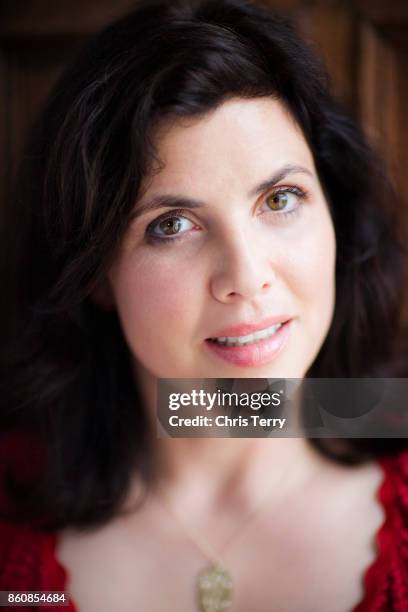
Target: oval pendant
x,y
215,589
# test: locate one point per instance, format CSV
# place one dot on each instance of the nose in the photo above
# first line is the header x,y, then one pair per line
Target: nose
x,y
244,269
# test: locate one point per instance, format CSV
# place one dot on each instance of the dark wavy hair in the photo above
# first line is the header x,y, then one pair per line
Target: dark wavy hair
x,y
66,373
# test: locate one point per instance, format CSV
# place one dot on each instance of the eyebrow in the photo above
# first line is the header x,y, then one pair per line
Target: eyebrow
x,y
177,201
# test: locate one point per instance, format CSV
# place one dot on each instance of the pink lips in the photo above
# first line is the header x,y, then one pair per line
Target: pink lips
x,y
252,355
250,328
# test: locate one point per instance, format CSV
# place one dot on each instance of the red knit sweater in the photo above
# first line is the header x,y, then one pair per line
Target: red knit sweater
x,y
28,561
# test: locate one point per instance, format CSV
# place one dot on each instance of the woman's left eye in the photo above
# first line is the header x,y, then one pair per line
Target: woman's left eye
x,y
284,200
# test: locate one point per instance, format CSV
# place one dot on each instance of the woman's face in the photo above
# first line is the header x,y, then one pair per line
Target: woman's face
x,y
231,237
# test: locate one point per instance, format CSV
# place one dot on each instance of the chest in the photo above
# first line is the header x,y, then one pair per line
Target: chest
x,y
309,556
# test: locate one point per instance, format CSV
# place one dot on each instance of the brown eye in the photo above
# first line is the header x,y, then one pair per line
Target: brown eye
x,y
279,200
284,200
169,227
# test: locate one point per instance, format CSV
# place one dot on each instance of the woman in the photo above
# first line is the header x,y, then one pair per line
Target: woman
x,y
192,182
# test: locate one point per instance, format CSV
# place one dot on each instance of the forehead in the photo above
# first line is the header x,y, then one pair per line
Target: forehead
x,y
241,139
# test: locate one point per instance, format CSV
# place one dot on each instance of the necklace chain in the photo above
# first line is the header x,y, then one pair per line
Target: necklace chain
x,y
206,549
214,584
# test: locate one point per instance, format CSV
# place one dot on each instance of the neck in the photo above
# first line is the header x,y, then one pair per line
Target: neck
x,y
207,472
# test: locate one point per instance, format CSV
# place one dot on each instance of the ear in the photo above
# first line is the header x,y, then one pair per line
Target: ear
x,y
103,296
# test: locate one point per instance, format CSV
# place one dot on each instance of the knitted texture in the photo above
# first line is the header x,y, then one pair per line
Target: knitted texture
x,y
386,580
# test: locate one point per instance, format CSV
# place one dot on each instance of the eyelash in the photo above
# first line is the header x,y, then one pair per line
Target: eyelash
x,y
157,240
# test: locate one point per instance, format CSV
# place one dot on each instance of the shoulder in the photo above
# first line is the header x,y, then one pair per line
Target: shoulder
x,y
27,560
27,555
394,491
386,580
393,496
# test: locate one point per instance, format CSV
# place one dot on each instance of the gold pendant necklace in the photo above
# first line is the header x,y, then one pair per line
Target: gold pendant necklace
x,y
214,589
214,584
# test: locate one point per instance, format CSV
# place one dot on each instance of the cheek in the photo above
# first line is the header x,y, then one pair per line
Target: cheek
x,y
312,274
323,274
153,297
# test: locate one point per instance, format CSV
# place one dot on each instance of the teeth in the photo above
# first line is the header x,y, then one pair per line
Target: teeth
x,y
250,338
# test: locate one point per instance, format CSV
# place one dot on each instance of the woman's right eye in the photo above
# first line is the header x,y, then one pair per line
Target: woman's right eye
x,y
169,228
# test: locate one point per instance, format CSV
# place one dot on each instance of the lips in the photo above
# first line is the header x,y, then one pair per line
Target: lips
x,y
253,355
245,329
